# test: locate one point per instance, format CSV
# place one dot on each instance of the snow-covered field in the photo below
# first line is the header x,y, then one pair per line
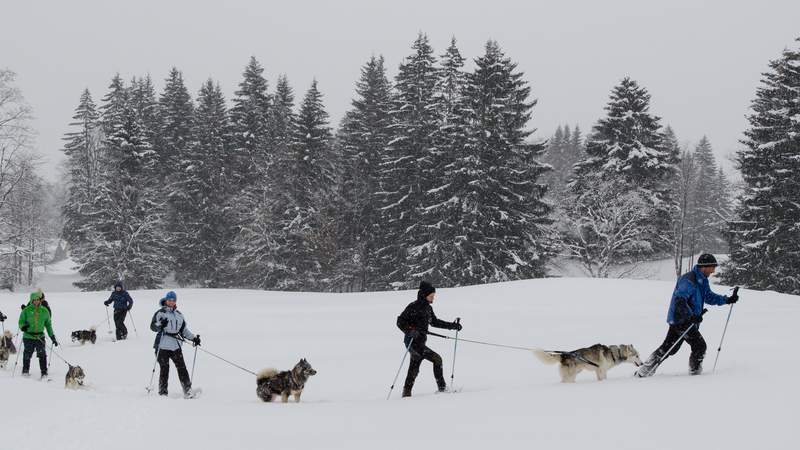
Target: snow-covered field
x,y
508,398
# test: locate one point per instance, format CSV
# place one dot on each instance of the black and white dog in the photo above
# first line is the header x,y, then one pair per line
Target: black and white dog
x,y
83,336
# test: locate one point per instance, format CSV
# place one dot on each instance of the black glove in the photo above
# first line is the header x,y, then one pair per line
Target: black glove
x,y
24,328
55,341
3,317
107,302
196,340
412,334
734,297
457,324
696,320
164,322
22,306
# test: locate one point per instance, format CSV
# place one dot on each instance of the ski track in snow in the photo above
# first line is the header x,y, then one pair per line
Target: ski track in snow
x,y
508,398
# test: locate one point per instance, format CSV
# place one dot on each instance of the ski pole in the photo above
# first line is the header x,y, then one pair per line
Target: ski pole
x,y
719,349
194,360
133,322
149,388
108,320
49,358
403,361
455,347
678,341
19,350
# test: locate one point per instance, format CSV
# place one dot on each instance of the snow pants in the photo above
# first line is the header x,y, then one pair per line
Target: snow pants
x,y
119,323
163,376
695,340
418,354
32,345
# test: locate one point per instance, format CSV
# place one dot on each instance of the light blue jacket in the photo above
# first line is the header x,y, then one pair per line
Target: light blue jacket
x,y
167,338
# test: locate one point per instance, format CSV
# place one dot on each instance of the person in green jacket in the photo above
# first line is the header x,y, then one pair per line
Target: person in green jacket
x,y
33,321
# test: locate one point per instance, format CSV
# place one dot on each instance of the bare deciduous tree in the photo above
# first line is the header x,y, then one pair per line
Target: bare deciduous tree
x,y
604,226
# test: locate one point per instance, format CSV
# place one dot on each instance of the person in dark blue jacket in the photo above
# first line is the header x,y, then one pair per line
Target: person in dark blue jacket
x,y
122,304
686,313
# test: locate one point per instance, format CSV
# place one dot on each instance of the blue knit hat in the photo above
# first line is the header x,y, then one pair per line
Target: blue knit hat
x,y
171,295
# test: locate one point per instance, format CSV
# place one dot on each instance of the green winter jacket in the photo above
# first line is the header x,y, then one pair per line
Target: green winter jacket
x,y
38,319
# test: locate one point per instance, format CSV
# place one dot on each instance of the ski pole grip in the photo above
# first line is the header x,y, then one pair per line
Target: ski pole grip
x,y
458,319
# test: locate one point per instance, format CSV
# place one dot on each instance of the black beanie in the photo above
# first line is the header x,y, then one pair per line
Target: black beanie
x,y
707,260
425,289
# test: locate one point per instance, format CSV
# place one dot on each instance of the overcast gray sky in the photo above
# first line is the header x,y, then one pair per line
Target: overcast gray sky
x,y
700,60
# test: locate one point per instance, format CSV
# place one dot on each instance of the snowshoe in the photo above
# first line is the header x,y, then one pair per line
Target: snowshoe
x,y
192,393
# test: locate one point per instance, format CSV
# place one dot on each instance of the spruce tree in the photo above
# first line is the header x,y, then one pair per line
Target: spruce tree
x,y
363,138
259,260
765,238
431,256
174,152
201,194
628,146
308,237
175,110
705,214
82,149
125,233
410,166
250,117
505,221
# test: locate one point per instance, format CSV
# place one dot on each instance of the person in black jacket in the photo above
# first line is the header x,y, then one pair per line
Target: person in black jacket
x,y
122,304
414,322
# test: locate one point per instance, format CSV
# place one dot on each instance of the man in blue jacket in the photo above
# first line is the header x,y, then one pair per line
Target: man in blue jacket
x,y
122,304
686,313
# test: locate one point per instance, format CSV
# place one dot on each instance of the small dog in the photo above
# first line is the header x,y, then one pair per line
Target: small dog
x,y
85,335
598,357
6,348
74,378
7,342
270,382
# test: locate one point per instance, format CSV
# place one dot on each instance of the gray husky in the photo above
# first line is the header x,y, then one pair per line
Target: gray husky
x,y
270,382
74,377
598,357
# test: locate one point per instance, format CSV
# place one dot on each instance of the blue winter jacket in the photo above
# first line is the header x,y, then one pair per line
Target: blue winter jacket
x,y
121,299
691,291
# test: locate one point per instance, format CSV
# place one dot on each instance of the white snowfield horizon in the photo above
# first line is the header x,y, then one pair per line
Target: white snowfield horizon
x,y
507,397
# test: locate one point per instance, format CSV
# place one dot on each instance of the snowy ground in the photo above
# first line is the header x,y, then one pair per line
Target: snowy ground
x,y
508,399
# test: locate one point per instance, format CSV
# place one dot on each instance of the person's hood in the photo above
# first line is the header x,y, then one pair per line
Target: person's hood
x,y
119,285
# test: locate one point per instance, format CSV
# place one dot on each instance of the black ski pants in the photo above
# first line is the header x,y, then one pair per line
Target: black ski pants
x,y
119,322
418,354
163,376
32,345
693,338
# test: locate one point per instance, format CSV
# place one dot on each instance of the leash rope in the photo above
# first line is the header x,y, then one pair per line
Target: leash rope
x,y
515,347
219,357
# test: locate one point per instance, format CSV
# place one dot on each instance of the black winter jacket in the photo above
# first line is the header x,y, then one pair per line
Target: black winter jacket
x,y
418,315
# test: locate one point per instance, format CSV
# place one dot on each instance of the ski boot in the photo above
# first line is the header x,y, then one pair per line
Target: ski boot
x,y
695,367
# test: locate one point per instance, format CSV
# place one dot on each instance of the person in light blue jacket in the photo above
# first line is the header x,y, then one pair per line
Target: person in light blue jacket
x,y
171,331
685,314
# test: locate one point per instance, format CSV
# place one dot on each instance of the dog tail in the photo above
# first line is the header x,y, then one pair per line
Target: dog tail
x,y
264,374
547,357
